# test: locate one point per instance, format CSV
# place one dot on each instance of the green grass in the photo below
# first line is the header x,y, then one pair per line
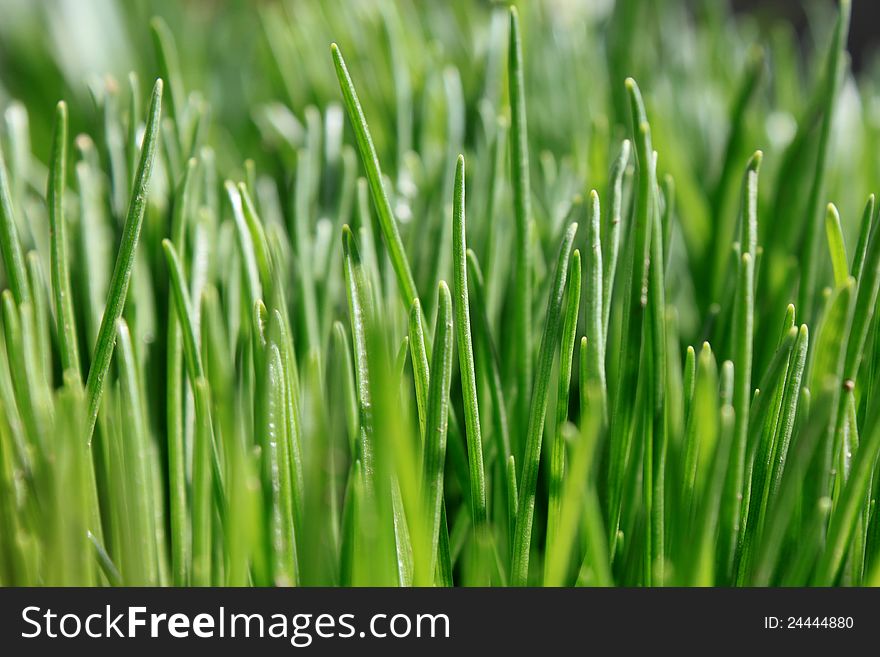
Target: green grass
x,y
279,325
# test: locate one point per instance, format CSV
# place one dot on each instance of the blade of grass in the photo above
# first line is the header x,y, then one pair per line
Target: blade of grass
x,y
736,494
466,360
655,467
522,203
528,480
360,309
630,339
434,454
61,293
137,461
175,398
10,244
124,261
595,321
557,449
865,231
612,234
374,176
284,557
836,247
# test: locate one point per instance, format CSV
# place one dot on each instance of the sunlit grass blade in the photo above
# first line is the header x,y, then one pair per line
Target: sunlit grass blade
x,y
557,449
836,247
595,303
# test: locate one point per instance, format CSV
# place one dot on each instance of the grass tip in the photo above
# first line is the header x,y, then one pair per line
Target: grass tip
x,y
755,161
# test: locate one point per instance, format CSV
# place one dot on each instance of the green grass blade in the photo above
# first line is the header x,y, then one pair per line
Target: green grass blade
x,y
865,230
701,438
245,245
466,356
612,233
124,260
780,514
419,362
836,247
277,430
61,292
557,449
630,339
529,476
42,314
374,176
185,313
736,494
359,307
10,244
434,454
137,462
519,159
594,311
175,401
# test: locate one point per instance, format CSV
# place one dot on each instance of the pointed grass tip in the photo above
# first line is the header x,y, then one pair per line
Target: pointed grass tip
x,y
755,161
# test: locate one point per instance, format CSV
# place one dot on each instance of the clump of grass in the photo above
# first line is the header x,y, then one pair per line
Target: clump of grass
x,y
321,366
